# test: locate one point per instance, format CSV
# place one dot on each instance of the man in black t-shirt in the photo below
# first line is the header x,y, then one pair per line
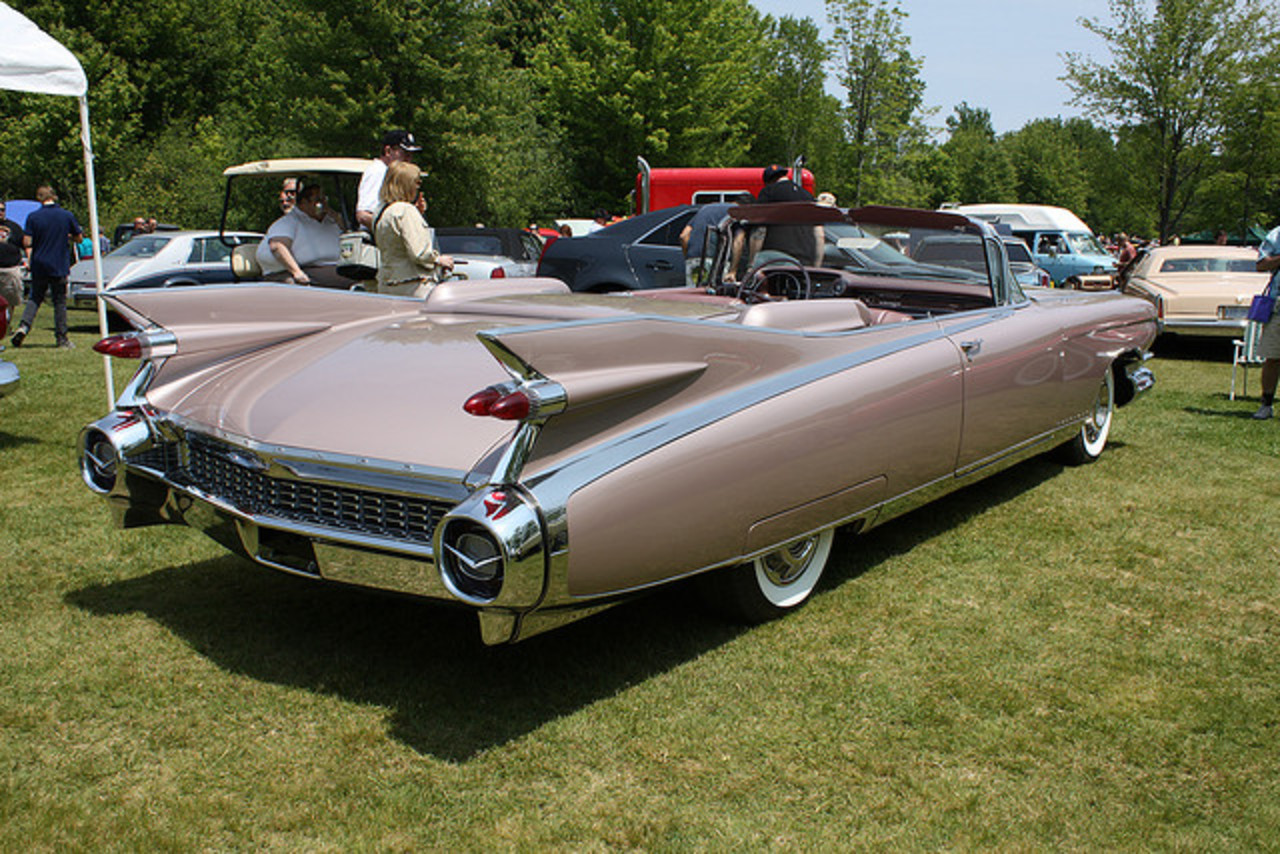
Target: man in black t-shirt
x,y
801,242
11,253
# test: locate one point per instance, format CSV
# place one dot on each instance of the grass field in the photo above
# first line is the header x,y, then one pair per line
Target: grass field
x,y
1083,658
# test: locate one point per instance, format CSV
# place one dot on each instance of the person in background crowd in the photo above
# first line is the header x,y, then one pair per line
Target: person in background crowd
x,y
84,248
1127,255
288,194
51,232
398,146
599,221
302,246
1220,238
827,199
139,226
411,263
11,256
1269,343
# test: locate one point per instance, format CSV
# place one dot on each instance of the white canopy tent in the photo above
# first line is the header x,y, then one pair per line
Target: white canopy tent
x,y
33,61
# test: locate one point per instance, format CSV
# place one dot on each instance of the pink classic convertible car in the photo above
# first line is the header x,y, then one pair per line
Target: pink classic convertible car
x,y
538,455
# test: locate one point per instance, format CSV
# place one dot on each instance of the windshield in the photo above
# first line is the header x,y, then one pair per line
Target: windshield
x,y
864,249
141,246
1084,243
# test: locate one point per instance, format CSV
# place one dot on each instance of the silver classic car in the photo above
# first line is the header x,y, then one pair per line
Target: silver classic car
x,y
538,455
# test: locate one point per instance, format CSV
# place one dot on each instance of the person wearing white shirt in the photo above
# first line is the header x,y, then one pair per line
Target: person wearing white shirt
x,y
397,146
301,247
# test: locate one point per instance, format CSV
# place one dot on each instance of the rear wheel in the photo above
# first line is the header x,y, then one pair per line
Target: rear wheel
x,y
773,584
1091,441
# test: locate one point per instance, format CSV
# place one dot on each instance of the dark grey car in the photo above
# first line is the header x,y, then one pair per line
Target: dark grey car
x,y
639,253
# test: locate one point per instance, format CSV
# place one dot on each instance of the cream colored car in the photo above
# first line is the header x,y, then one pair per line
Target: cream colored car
x,y
1198,290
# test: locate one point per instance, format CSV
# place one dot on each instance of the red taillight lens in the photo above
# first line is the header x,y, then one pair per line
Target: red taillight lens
x,y
120,347
498,273
482,401
512,407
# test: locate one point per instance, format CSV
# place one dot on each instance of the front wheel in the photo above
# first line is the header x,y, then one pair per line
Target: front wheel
x,y
773,584
1091,441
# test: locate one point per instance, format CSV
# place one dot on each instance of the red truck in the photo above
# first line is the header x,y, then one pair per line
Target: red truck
x,y
665,188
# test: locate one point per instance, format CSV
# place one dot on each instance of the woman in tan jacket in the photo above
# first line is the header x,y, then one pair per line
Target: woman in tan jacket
x,y
410,264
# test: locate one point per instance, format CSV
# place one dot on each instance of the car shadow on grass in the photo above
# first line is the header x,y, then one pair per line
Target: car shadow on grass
x,y
448,695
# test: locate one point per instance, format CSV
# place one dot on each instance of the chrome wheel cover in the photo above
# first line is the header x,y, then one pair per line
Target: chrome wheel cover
x,y
1097,426
789,574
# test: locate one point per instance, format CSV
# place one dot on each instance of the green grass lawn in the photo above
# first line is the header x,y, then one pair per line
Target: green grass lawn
x,y
1057,658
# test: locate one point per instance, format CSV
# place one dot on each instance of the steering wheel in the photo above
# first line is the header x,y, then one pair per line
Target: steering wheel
x,y
790,285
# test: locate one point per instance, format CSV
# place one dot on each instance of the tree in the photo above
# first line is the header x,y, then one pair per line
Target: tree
x,y
981,169
1174,71
803,118
675,81
884,92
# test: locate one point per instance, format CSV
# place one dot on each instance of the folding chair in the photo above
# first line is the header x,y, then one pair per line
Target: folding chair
x,y
1246,354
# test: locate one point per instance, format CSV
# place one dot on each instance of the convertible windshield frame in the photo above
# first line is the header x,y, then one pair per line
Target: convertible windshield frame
x,y
864,244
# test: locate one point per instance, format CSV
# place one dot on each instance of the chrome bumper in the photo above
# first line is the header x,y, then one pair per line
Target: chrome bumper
x,y
146,480
1208,328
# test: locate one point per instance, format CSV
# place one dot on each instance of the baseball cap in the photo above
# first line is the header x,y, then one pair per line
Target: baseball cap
x,y
401,139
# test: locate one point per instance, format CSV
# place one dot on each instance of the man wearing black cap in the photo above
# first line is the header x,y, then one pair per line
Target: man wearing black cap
x,y
396,145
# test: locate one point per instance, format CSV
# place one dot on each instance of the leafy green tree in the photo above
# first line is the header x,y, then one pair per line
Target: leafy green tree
x,y
1175,69
671,80
1047,166
884,93
797,116
1243,189
981,168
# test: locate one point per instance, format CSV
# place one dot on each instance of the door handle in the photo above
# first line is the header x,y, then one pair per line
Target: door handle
x,y
971,348
659,265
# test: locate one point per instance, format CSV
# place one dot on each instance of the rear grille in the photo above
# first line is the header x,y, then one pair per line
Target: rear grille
x,y
216,470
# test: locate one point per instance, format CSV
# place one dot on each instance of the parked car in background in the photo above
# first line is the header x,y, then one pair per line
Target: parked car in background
x,y
634,254
536,456
1025,270
1198,290
124,232
1060,242
490,253
163,259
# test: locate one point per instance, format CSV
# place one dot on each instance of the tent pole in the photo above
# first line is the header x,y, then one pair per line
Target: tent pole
x,y
87,145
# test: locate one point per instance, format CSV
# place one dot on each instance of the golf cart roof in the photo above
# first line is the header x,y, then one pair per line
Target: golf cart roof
x,y
300,165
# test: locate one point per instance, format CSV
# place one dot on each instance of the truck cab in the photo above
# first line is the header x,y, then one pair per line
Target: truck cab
x,y
659,188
